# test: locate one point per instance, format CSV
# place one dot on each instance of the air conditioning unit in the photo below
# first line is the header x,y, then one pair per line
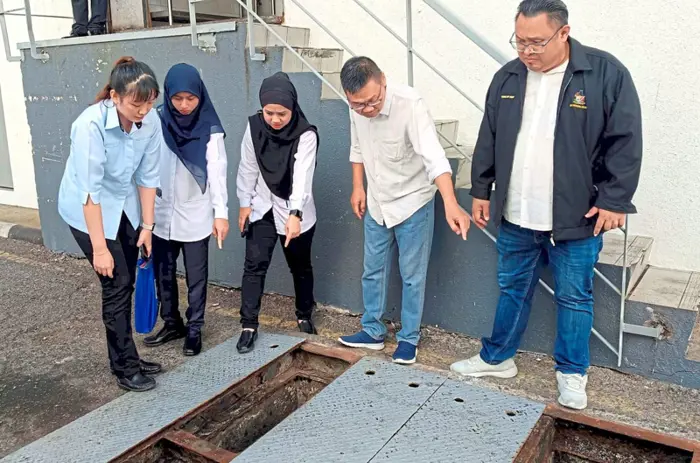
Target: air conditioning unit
x,y
212,10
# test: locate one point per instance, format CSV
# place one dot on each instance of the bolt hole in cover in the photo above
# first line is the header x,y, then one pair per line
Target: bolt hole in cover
x,y
370,372
274,346
510,413
459,400
413,385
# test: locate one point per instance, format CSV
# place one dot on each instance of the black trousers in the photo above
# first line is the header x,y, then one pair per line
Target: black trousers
x,y
97,22
260,243
116,296
196,257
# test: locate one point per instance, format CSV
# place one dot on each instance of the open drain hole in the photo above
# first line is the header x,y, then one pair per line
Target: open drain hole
x,y
414,385
231,422
459,400
274,346
370,372
510,413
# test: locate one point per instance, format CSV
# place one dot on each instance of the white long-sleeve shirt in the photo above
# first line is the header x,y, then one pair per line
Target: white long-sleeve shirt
x,y
183,212
253,192
401,154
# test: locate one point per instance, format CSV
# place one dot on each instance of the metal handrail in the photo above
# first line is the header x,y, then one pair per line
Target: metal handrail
x,y
251,45
27,13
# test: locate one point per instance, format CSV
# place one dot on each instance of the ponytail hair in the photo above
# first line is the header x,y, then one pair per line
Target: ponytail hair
x,y
130,78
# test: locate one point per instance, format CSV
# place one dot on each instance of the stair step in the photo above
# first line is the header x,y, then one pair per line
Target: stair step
x,y
693,351
297,37
677,289
323,60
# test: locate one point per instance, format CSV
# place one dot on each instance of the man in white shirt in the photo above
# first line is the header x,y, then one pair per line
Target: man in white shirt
x,y
561,139
394,142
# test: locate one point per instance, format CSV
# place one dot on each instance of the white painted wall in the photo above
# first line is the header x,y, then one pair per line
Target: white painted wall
x,y
656,39
19,140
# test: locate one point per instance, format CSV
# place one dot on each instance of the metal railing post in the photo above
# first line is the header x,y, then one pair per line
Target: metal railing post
x,y
409,40
193,22
30,30
170,12
623,294
251,42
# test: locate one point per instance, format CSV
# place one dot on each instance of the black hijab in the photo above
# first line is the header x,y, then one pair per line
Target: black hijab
x,y
187,136
275,149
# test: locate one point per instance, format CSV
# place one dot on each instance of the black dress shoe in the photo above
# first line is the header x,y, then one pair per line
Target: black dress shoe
x,y
136,383
148,368
76,34
193,345
246,342
166,334
307,326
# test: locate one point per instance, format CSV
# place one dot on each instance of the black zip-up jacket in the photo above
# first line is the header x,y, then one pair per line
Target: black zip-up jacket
x,y
597,140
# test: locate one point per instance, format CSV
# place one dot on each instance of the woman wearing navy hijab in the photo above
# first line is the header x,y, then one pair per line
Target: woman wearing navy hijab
x,y
191,204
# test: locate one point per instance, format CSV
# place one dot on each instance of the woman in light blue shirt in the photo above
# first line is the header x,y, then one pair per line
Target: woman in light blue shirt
x,y
107,198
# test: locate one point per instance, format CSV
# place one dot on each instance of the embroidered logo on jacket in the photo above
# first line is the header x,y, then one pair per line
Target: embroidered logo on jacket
x,y
579,100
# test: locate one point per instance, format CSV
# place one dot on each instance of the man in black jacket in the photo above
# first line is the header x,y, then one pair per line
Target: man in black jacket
x,y
561,140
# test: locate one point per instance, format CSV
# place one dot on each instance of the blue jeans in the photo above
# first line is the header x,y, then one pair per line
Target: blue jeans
x,y
414,238
521,255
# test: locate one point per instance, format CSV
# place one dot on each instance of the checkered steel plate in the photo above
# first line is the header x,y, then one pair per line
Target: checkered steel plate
x,y
351,419
117,426
464,423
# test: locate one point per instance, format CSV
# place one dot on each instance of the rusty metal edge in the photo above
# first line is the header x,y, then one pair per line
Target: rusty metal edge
x,y
340,353
538,443
158,435
189,442
559,413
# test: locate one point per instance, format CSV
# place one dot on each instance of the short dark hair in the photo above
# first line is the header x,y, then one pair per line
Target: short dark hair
x,y
555,9
357,72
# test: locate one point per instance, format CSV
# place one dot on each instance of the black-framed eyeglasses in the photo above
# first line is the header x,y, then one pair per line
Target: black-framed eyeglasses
x,y
535,48
359,107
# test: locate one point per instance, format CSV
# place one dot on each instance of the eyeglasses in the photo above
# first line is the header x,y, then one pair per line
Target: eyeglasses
x,y
359,107
535,48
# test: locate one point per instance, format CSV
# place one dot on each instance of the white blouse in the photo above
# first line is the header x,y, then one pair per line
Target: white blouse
x,y
183,212
253,192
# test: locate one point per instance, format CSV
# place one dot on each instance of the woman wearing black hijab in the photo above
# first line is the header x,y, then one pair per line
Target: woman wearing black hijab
x,y
275,177
191,204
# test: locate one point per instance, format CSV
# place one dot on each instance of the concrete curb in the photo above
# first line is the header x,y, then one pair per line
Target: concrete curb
x,y
21,233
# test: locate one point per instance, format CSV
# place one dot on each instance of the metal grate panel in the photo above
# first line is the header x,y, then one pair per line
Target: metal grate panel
x,y
112,429
462,423
351,419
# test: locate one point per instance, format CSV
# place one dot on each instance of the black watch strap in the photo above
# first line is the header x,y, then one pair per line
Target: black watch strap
x,y
296,213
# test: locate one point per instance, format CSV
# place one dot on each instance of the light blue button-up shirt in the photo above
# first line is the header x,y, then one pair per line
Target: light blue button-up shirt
x,y
106,164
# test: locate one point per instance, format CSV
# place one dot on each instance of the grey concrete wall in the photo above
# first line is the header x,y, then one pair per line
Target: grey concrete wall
x,y
462,290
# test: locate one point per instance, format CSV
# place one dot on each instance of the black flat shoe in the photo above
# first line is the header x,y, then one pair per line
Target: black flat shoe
x,y
165,335
307,326
193,345
246,342
136,383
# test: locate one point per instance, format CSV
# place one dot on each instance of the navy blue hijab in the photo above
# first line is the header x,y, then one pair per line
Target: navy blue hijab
x,y
187,136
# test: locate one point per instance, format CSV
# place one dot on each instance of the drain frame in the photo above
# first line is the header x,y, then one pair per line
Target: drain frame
x,y
540,444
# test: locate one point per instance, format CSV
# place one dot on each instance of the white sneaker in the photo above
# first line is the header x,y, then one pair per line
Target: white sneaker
x,y
476,368
572,390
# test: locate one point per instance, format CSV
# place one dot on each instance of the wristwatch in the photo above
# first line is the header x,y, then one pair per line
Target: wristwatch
x,y
296,213
148,227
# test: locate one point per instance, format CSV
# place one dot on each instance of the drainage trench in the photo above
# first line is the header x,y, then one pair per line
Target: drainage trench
x,y
231,422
